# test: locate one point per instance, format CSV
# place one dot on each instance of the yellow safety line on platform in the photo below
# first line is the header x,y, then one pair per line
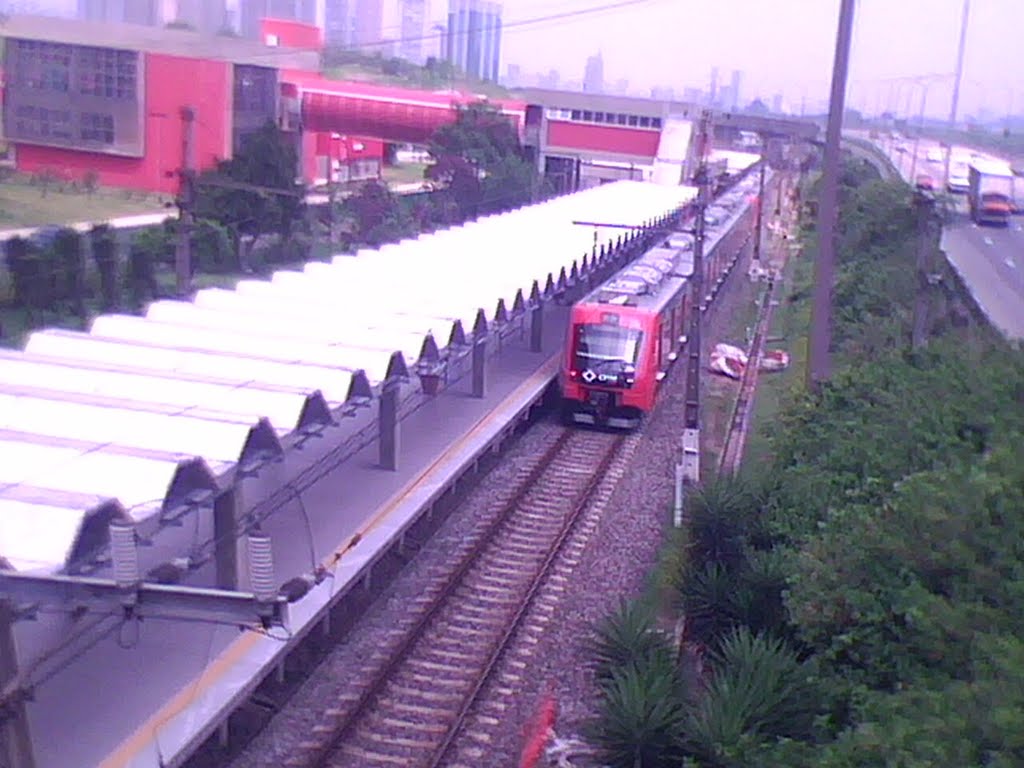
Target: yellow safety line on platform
x,y
130,748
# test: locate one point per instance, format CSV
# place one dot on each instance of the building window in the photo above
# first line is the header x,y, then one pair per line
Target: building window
x,y
577,115
98,127
42,123
254,90
656,123
645,122
106,72
559,114
43,66
621,119
634,120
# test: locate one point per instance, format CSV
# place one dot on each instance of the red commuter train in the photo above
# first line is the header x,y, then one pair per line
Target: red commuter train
x,y
625,334
623,337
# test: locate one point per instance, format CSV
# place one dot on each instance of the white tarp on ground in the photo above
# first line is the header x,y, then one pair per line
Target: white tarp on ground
x,y
731,361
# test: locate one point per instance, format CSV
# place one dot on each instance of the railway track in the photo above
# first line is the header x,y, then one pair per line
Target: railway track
x,y
429,673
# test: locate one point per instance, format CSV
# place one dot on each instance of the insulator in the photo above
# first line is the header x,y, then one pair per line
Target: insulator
x,y
125,555
261,568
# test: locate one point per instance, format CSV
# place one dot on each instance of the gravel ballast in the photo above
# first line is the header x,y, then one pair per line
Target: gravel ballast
x,y
616,564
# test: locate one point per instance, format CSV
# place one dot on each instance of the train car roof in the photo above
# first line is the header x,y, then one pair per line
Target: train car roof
x,y
648,283
651,281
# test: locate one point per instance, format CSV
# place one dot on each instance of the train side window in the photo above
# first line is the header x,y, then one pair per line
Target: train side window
x,y
667,345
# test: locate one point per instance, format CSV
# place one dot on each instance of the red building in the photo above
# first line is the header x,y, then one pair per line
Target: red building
x,y
291,34
109,99
87,98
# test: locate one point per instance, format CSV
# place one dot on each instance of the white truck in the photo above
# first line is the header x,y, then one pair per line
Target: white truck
x,y
990,192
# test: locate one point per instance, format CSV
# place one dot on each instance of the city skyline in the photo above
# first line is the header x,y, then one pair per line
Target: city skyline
x,y
783,47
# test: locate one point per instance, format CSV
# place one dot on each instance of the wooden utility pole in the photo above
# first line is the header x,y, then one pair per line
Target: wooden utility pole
x,y
186,204
691,431
819,367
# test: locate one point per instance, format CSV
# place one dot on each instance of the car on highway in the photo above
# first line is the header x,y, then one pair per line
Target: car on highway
x,y
924,181
934,155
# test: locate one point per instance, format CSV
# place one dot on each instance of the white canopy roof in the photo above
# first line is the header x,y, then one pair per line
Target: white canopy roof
x,y
115,413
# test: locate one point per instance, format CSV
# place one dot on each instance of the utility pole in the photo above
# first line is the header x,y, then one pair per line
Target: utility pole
x,y
956,87
690,468
920,130
760,199
820,364
186,204
926,221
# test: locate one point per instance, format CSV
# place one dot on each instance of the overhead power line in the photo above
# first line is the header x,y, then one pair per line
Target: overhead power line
x,y
550,18
505,26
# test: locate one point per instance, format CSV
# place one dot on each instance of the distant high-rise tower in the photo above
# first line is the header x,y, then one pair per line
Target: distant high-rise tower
x,y
713,88
340,22
413,20
153,13
369,24
474,37
203,15
593,74
737,77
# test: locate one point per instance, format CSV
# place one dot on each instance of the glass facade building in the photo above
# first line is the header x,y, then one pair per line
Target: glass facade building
x,y
474,37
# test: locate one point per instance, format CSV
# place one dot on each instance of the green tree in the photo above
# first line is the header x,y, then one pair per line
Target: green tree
x,y
104,253
255,192
627,637
481,163
377,215
758,690
70,270
640,718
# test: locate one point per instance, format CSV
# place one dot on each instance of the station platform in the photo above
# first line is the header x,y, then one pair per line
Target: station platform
x,y
150,699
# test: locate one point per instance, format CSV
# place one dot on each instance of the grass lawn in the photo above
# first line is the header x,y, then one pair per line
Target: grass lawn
x,y
23,204
406,173
368,74
791,320
718,396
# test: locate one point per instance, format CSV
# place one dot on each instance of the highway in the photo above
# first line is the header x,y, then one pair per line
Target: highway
x,y
990,259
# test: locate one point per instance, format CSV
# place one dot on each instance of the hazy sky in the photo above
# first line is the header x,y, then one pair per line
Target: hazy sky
x,y
782,46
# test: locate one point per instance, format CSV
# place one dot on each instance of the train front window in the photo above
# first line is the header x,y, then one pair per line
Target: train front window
x,y
606,354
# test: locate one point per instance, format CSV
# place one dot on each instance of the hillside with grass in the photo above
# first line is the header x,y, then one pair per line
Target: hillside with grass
x,y
857,598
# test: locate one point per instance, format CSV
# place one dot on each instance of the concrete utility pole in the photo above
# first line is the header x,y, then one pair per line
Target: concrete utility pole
x,y
186,204
920,130
760,200
956,86
820,364
926,245
690,468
